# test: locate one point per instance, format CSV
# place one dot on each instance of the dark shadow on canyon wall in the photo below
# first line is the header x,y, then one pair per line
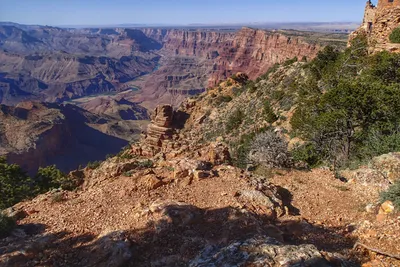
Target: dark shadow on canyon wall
x,y
69,144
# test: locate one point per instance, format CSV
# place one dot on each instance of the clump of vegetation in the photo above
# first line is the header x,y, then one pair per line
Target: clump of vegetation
x,y
251,86
93,165
234,120
269,113
15,184
7,224
57,197
50,178
270,150
350,105
223,99
395,36
145,164
392,194
265,76
306,153
290,62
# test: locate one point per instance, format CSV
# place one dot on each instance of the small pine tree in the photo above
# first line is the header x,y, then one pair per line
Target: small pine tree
x,y
15,184
395,36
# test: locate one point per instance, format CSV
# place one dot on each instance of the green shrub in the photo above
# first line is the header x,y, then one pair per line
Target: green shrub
x,y
57,197
223,99
49,178
270,116
146,164
52,178
7,224
15,184
251,86
378,143
290,61
306,153
395,36
93,165
392,194
234,120
271,70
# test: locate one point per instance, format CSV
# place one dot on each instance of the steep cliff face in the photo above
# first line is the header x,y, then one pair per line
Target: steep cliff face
x,y
379,22
218,54
255,51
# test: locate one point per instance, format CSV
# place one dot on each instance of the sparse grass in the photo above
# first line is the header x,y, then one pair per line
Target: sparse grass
x,y
264,171
57,197
145,164
341,188
128,174
93,165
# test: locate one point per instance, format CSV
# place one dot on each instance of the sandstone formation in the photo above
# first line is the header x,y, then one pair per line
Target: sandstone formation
x,y
160,129
379,22
249,50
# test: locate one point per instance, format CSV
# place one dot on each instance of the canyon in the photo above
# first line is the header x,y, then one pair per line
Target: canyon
x,y
121,73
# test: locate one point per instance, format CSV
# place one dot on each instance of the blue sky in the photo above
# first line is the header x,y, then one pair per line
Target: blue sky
x,y
106,12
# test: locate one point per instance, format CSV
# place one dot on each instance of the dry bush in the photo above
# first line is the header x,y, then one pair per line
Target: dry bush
x,y
270,150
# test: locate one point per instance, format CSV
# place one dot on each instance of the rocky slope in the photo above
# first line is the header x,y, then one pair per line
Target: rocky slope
x,y
174,199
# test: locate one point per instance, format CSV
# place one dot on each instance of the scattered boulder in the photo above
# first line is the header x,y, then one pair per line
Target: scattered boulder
x,y
112,249
388,165
15,213
199,175
217,154
151,181
174,212
386,208
259,251
262,202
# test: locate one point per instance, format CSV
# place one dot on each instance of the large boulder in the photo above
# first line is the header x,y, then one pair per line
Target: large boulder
x,y
388,165
259,251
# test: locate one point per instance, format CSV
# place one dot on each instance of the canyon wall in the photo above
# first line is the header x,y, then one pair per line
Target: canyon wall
x,y
223,53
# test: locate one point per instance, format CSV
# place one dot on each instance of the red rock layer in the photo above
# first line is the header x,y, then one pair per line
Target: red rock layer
x,y
248,50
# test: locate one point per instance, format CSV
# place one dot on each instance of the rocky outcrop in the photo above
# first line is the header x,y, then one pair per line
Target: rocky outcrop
x,y
382,170
260,251
379,22
160,128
